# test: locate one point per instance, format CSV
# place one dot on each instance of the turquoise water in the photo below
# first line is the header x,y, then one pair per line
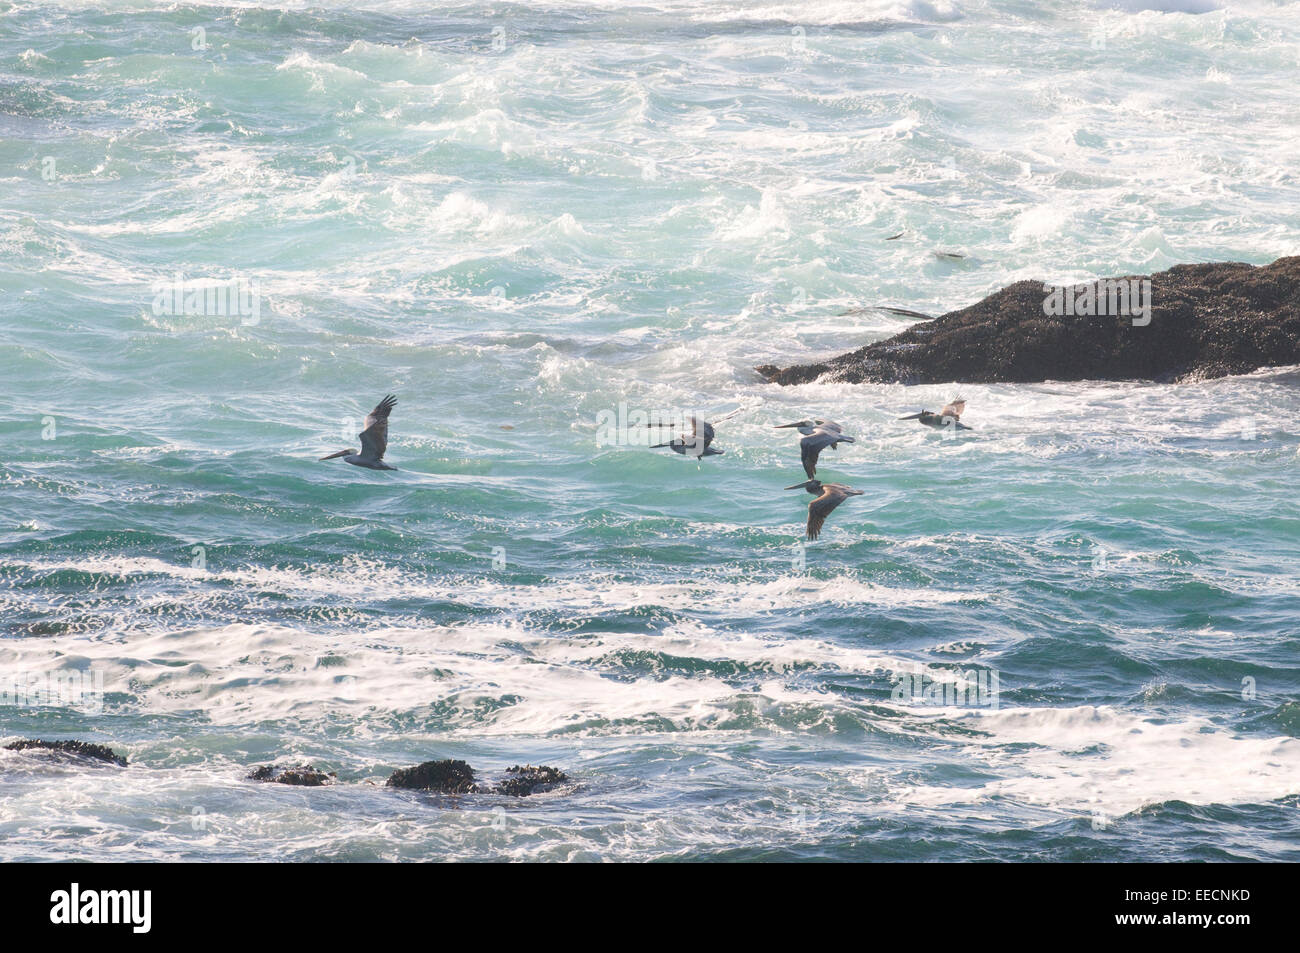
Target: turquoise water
x,y
520,218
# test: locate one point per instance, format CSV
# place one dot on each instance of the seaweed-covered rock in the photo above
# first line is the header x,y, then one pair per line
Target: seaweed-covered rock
x,y
445,777
524,780
303,775
78,749
1204,321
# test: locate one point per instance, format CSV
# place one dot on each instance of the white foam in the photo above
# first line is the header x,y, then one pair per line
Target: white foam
x,y
363,579
1138,761
487,679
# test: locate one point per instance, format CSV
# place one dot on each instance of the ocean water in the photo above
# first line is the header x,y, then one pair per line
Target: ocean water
x,y
522,219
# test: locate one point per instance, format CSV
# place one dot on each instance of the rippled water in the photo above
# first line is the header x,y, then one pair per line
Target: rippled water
x,y
519,218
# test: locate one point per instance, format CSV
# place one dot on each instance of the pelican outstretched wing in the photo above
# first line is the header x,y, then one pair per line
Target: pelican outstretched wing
x,y
832,496
374,438
738,410
702,429
811,446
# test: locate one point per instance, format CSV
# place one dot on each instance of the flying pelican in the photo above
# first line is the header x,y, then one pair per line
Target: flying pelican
x,y
699,442
818,435
829,496
374,439
950,416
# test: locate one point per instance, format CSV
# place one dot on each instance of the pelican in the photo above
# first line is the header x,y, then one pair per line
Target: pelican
x,y
374,439
818,435
950,416
829,496
699,442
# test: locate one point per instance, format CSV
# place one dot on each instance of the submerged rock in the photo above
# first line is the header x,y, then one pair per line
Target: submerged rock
x,y
457,777
526,780
445,777
1204,321
79,749
304,775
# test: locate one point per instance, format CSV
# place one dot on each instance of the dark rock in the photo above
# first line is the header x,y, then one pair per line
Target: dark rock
x,y
304,775
446,777
1206,321
526,780
80,749
457,777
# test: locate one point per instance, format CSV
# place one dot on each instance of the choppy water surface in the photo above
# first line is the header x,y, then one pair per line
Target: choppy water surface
x,y
520,217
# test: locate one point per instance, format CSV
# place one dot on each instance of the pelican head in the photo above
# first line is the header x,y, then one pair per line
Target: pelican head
x,y
803,426
812,486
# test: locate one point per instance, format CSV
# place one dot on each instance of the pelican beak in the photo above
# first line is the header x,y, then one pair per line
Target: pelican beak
x,y
784,426
341,453
799,486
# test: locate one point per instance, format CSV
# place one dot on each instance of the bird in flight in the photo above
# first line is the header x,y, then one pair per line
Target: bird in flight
x,y
374,439
699,442
818,435
950,416
829,496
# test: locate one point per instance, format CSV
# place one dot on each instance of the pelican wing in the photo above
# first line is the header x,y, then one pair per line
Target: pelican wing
x,y
730,415
699,438
811,446
374,438
702,428
832,496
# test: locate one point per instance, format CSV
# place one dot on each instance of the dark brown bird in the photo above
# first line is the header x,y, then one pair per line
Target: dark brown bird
x,y
374,439
818,435
829,496
698,443
950,416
